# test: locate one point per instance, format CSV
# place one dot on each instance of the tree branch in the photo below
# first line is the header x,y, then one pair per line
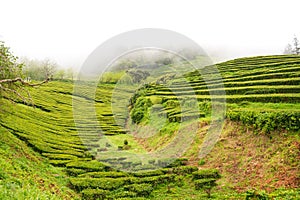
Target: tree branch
x,y
13,92
22,82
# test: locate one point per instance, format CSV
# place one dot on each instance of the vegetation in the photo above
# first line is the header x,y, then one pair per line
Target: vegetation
x,y
256,156
293,49
12,85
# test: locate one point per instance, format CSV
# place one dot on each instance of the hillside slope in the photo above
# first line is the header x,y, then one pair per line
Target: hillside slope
x,y
258,148
25,174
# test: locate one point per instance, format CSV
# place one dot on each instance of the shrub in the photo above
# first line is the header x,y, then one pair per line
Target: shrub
x,y
90,194
206,185
140,109
183,170
148,173
206,174
74,171
89,166
140,189
266,121
256,195
201,162
206,180
104,174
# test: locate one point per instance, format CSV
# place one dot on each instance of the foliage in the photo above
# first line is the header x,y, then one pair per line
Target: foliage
x,y
206,174
25,174
143,189
138,75
267,121
41,69
206,180
55,136
251,194
90,194
9,67
140,110
113,77
294,48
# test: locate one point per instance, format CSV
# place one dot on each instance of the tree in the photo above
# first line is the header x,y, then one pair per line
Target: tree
x,y
296,49
288,50
49,68
60,74
138,75
70,73
38,69
293,49
12,85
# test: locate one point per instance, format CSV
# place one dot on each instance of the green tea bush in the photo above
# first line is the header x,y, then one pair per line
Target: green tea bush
x,y
104,174
89,166
140,109
148,173
102,183
90,194
206,180
74,171
205,184
184,170
206,174
140,189
267,121
251,194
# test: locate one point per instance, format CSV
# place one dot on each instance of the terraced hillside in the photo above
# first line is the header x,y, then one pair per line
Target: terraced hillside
x,y
253,86
261,92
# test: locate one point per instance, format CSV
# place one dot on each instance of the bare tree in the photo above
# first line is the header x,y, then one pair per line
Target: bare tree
x,y
288,49
293,49
296,49
70,73
49,68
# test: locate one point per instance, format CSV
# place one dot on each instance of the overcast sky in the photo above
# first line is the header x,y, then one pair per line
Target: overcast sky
x,y
69,30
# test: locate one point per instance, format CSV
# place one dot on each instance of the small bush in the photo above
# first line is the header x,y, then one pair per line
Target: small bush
x,y
206,185
206,174
140,189
201,162
90,194
256,195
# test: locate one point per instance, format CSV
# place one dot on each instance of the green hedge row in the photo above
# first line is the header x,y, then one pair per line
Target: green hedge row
x,y
143,189
205,183
115,183
246,77
88,166
101,183
74,171
267,121
91,194
206,174
111,174
182,170
265,98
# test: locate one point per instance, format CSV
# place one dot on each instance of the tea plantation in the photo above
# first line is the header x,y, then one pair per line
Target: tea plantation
x,y
262,104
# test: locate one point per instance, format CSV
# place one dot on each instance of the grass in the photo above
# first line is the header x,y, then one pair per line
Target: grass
x,y
118,140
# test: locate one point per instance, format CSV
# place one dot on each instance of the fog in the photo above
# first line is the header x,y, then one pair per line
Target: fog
x,y
68,31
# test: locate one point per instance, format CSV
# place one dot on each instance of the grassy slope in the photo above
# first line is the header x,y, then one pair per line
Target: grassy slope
x,y
248,160
25,174
49,128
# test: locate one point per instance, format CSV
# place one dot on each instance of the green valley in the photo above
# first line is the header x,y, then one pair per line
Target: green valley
x,y
256,156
